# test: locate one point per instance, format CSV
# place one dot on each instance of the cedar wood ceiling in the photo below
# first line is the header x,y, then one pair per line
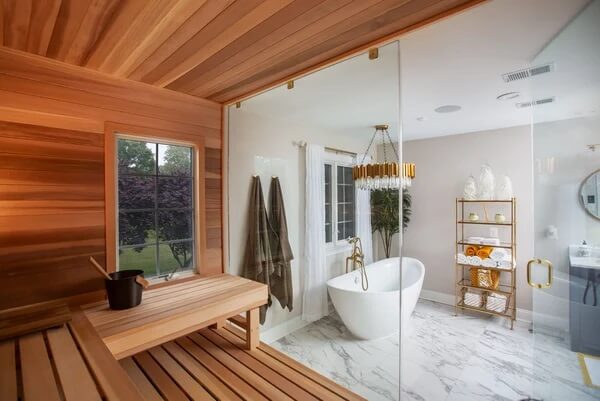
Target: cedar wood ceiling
x,y
215,49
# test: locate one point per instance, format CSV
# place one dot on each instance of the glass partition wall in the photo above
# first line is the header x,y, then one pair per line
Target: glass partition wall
x,y
295,149
500,114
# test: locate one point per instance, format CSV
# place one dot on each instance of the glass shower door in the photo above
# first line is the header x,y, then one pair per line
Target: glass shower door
x,y
566,154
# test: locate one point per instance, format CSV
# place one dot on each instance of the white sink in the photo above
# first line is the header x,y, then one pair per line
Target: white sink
x,y
591,261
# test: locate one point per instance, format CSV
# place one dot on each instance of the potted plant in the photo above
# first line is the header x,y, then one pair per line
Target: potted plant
x,y
385,214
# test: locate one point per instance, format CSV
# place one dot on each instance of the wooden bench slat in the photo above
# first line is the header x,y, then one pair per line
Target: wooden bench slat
x,y
191,387
8,371
247,359
140,380
300,368
75,379
38,376
313,387
109,375
238,385
259,383
167,387
215,386
30,319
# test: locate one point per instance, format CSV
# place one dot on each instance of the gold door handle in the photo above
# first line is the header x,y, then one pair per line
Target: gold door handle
x,y
543,262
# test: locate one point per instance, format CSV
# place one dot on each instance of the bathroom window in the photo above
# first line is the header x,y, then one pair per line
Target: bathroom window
x,y
156,207
340,205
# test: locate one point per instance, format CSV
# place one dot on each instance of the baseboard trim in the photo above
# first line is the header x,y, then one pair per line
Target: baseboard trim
x,y
281,330
523,315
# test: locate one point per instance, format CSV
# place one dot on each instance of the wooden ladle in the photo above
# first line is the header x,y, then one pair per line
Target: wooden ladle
x,y
139,279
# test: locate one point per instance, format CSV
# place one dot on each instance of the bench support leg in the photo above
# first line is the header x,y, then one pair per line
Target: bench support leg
x,y
219,325
252,329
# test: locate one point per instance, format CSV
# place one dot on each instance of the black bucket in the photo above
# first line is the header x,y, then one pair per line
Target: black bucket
x,y
123,291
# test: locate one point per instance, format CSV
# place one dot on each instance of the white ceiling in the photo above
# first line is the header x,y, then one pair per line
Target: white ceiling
x,y
457,61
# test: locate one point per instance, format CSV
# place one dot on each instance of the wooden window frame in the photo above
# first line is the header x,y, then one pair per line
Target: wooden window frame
x,y
113,131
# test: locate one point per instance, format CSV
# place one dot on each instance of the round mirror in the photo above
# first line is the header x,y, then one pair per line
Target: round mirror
x,y
588,193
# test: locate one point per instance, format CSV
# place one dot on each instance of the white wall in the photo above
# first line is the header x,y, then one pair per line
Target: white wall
x,y
442,166
253,135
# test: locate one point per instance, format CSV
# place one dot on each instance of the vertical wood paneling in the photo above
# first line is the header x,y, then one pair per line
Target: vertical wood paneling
x,y
43,18
17,15
52,189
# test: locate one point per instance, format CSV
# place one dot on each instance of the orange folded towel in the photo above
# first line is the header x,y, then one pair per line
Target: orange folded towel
x,y
471,250
484,252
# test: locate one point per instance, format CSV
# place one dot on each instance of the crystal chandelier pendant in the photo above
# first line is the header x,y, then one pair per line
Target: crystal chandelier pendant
x,y
386,175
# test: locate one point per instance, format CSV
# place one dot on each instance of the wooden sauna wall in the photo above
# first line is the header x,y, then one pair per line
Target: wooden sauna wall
x,y
52,118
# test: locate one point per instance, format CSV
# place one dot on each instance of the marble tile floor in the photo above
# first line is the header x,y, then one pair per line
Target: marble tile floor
x,y
446,358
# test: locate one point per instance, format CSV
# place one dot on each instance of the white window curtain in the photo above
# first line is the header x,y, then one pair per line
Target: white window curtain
x,y
363,216
314,300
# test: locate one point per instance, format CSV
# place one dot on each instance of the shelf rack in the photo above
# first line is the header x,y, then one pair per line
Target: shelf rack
x,y
462,277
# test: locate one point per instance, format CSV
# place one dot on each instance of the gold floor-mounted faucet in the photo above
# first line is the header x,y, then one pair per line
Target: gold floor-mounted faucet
x,y
357,260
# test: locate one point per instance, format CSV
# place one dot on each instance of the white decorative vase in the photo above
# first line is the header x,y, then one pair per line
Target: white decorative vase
x,y
486,183
470,191
505,189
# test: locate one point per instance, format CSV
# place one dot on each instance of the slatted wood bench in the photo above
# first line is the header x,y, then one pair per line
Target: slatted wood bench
x,y
48,354
172,311
214,364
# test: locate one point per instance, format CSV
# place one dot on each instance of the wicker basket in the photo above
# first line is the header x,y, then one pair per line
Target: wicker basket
x,y
485,278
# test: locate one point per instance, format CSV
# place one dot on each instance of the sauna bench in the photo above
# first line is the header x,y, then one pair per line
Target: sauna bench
x,y
177,309
65,360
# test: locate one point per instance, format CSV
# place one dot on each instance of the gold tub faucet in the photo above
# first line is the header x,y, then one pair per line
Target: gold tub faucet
x,y
357,260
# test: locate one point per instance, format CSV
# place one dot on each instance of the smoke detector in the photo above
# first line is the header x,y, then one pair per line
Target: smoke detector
x,y
536,102
528,72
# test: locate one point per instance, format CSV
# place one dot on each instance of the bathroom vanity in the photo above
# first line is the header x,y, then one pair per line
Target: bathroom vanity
x,y
584,297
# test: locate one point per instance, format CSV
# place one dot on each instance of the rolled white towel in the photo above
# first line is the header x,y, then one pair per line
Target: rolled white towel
x,y
469,259
461,258
475,261
504,264
498,254
487,262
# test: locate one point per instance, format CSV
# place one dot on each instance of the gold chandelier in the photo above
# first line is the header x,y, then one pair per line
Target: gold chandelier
x,y
386,175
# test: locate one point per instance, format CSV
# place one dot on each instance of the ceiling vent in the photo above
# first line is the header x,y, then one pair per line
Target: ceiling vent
x,y
536,102
528,72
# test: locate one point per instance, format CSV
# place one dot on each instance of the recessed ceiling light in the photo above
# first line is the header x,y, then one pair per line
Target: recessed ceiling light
x,y
508,96
449,108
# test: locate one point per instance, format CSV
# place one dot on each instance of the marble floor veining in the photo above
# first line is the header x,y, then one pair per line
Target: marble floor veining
x,y
445,358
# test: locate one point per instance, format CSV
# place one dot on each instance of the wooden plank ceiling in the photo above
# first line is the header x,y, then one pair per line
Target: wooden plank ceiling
x,y
215,49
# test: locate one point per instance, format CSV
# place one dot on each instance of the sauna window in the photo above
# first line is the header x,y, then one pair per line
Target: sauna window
x,y
155,207
340,204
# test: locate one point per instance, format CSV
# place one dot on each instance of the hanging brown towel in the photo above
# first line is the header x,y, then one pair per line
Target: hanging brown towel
x,y
281,251
258,261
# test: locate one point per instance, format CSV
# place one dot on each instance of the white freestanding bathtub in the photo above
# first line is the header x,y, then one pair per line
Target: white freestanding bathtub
x,y
375,313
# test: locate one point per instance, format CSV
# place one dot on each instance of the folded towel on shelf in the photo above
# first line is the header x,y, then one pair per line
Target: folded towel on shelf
x,y
487,262
496,302
475,261
471,250
473,299
484,252
504,264
461,259
469,259
498,254
483,240
490,241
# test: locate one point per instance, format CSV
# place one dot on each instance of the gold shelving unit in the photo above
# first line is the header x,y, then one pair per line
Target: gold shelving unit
x,y
462,276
